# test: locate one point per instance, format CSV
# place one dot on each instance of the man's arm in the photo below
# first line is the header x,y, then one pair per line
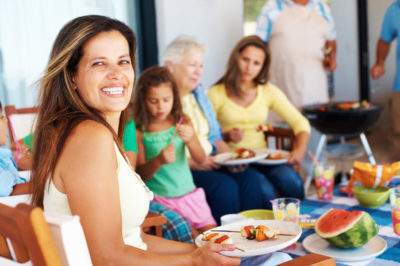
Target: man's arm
x,y
382,51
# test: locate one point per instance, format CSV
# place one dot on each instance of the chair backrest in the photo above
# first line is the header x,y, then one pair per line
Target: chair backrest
x,y
70,239
282,138
21,121
65,230
25,235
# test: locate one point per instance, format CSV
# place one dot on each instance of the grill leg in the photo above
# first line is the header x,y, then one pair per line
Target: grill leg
x,y
318,152
367,148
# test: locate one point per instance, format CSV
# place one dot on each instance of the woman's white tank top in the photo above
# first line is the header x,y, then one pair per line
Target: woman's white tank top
x,y
134,200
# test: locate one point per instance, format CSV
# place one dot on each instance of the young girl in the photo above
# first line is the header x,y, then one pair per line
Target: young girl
x,y
163,135
9,176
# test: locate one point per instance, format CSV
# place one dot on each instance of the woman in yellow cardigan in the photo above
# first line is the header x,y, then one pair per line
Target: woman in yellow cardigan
x,y
242,99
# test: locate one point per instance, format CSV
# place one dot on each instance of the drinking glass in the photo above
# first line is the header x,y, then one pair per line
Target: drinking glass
x,y
324,181
286,209
395,203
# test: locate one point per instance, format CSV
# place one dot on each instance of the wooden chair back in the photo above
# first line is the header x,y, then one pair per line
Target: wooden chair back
x,y
283,137
20,121
25,235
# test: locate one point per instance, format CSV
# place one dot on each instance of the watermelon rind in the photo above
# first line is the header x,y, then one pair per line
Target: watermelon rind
x,y
355,235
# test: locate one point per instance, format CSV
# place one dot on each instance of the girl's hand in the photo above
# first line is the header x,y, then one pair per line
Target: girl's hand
x,y
296,156
235,135
185,132
167,155
22,156
209,255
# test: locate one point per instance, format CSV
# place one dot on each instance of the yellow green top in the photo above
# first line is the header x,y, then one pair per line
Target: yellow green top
x,y
231,115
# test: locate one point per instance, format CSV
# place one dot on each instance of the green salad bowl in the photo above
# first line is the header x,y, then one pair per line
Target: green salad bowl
x,y
258,214
371,197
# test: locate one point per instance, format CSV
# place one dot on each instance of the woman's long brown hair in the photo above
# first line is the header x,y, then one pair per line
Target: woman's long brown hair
x,y
231,77
150,78
60,107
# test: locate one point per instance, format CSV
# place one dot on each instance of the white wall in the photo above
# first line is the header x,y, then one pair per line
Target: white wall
x,y
347,73
27,32
216,23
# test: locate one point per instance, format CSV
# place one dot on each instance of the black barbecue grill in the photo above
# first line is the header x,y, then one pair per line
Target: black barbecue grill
x,y
330,120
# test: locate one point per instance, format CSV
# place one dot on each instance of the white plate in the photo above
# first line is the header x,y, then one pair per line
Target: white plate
x,y
315,244
253,247
225,158
275,162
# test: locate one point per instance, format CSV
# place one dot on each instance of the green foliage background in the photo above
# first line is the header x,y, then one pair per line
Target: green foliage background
x,y
252,8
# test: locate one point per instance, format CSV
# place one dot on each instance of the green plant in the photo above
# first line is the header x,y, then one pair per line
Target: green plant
x,y
252,8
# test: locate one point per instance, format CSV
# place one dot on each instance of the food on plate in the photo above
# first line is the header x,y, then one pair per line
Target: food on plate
x,y
243,153
264,127
248,232
275,156
346,229
217,238
259,233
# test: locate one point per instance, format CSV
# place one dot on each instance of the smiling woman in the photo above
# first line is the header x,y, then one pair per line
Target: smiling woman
x,y
79,167
105,81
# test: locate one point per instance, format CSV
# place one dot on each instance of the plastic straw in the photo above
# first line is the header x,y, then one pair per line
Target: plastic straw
x,y
313,158
18,145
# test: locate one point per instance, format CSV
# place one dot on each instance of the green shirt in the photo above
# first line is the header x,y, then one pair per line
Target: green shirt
x,y
129,137
28,141
174,179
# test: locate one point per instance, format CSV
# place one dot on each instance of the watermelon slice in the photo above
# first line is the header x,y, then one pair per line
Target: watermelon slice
x,y
346,229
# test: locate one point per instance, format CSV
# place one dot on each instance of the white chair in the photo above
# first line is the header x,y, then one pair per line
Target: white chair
x,y
21,121
66,232
25,237
70,239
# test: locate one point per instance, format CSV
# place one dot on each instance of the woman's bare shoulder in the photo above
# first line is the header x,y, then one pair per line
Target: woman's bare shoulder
x,y
90,132
88,149
88,139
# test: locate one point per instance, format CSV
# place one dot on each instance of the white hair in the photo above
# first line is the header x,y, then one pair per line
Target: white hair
x,y
179,47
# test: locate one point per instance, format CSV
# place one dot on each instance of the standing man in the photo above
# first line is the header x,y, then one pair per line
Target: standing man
x,y
301,36
390,31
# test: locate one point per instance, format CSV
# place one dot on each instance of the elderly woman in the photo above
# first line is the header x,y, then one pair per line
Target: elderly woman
x,y
227,191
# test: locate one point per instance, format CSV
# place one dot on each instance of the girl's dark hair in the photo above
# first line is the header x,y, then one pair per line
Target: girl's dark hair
x,y
150,78
232,75
60,106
